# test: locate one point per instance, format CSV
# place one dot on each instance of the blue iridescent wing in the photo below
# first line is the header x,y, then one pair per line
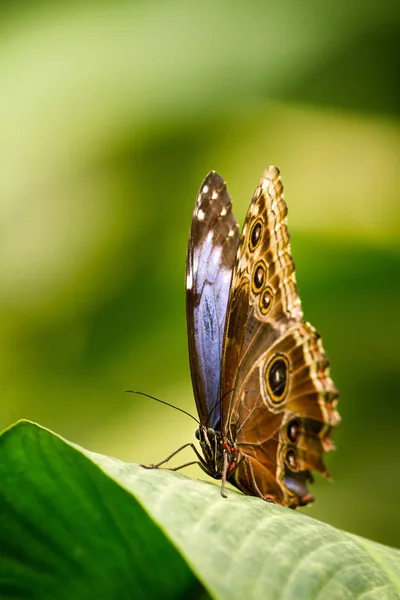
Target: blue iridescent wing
x,y
212,249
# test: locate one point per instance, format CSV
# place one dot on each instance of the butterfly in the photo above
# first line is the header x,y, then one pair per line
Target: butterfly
x,y
264,396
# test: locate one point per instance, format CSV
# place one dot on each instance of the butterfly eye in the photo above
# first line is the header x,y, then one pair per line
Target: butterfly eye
x,y
291,460
266,300
197,434
259,276
255,235
293,431
210,433
277,377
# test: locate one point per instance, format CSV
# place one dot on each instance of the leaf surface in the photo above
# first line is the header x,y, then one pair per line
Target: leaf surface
x,y
69,526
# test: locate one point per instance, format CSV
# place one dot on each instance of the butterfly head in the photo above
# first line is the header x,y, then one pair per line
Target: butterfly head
x,y
205,435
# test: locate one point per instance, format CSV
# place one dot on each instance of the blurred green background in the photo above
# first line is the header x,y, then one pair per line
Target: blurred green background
x,y
111,114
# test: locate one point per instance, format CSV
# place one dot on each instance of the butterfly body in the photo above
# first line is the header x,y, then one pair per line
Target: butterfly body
x,y
260,376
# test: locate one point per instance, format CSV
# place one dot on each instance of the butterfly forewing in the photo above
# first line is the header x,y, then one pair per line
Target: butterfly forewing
x,y
263,295
212,247
278,399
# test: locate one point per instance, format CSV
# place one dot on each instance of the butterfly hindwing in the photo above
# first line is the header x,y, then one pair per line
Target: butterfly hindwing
x,y
212,249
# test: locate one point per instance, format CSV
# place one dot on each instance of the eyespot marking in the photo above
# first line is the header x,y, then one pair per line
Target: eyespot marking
x,y
293,430
277,378
266,298
256,234
291,460
259,276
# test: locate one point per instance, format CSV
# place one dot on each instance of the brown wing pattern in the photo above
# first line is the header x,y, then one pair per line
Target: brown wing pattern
x,y
280,402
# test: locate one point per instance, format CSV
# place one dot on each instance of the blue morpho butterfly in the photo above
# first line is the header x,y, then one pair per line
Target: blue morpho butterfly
x,y
265,400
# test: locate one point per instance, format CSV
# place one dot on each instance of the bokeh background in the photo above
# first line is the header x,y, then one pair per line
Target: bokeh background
x,y
111,114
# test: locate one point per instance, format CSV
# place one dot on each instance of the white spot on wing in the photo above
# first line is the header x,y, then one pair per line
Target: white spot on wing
x,y
201,214
271,190
210,235
242,264
189,281
223,211
205,189
214,195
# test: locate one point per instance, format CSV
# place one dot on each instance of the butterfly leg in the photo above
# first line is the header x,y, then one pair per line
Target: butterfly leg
x,y
201,462
156,465
188,464
224,473
256,488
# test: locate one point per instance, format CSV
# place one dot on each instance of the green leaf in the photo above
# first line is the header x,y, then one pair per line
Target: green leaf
x,y
67,531
71,530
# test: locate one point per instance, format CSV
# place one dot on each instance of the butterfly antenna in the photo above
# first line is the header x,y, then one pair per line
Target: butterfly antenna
x,y
217,403
163,402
